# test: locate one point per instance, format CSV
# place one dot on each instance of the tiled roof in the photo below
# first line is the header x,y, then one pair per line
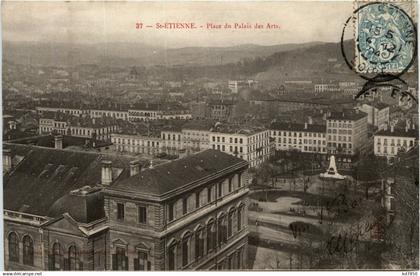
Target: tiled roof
x,y
398,132
347,115
49,141
199,125
298,127
45,175
170,176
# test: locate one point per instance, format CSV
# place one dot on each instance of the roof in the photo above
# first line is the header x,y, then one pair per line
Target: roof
x,y
399,132
244,129
377,105
41,176
49,141
84,205
170,176
76,121
298,127
199,125
347,115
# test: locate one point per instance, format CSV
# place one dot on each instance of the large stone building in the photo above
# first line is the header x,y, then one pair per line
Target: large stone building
x,y
249,143
347,134
389,141
83,126
71,210
186,214
302,137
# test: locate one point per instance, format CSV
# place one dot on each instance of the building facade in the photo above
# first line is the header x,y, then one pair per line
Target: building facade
x,y
378,114
346,133
189,214
86,127
389,142
190,220
250,145
302,137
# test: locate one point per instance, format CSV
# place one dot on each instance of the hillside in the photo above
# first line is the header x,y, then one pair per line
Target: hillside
x,y
129,54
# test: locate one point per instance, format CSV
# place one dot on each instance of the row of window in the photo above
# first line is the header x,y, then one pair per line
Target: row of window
x,y
340,131
141,213
205,239
168,136
295,141
64,260
191,202
231,140
344,124
111,114
340,138
392,142
28,249
297,134
135,142
120,260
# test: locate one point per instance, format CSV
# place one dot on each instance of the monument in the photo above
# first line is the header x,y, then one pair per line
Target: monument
x,y
332,172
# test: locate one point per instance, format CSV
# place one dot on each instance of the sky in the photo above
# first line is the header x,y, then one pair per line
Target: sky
x,y
103,22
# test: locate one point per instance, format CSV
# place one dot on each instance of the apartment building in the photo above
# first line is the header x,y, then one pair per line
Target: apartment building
x,y
250,144
302,137
347,133
391,141
87,127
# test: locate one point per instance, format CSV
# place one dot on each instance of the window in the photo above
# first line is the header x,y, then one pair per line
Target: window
x,y
72,257
142,214
57,256
199,244
230,224
220,189
211,236
239,213
222,238
120,211
141,262
171,211
28,251
184,205
185,250
171,256
119,260
209,194
13,247
197,199
230,185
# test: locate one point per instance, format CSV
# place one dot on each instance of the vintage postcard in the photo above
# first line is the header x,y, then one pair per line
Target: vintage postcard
x,y
194,135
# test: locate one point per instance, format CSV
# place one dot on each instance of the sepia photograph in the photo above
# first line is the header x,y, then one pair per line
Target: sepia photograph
x,y
210,136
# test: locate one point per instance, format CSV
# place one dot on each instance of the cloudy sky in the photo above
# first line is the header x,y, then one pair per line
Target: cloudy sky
x,y
99,22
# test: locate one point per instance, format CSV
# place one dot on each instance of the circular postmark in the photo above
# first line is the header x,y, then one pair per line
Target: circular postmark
x,y
385,42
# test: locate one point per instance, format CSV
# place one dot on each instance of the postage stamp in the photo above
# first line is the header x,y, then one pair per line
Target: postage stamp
x,y
385,37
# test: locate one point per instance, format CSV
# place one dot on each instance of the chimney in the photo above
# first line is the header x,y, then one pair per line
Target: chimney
x,y
7,160
306,125
58,141
386,127
134,167
392,128
106,176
